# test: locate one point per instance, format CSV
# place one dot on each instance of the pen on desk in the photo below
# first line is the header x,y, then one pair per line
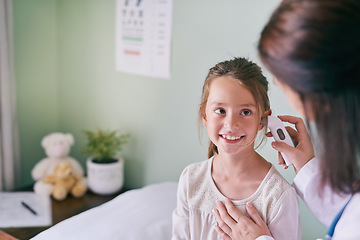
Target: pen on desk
x,y
28,208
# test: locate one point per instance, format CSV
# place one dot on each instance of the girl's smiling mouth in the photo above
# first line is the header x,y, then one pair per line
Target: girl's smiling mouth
x,y
231,138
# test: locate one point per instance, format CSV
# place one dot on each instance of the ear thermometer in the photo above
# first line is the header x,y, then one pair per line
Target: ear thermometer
x,y
280,134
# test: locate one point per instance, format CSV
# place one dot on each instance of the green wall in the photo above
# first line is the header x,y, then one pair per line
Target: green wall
x,y
36,65
66,81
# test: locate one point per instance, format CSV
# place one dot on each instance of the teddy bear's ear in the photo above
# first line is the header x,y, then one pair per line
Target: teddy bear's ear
x,y
44,141
69,138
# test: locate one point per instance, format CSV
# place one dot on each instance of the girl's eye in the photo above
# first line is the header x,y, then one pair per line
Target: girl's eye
x,y
246,112
220,111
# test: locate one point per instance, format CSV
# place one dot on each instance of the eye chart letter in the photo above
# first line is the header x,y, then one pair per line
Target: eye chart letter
x,y
143,37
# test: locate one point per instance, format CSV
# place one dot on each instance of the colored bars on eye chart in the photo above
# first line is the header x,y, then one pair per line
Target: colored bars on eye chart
x,y
143,37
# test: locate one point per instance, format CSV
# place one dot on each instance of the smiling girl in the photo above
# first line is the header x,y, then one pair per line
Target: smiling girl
x,y
234,107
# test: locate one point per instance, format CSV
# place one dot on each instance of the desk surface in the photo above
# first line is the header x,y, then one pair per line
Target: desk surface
x,y
62,210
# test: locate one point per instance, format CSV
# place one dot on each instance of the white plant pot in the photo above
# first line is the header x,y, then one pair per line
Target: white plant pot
x,y
105,178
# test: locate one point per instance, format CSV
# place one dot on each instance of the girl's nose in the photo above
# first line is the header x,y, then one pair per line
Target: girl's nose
x,y
231,122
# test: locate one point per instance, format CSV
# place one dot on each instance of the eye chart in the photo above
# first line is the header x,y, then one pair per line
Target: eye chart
x,y
143,37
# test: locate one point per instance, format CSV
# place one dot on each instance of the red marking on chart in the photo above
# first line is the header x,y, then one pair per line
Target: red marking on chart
x,y
128,52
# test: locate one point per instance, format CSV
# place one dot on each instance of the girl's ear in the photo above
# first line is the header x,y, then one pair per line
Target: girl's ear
x,y
204,120
267,113
263,120
261,125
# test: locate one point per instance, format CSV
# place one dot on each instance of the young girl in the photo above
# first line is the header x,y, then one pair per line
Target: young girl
x,y
234,108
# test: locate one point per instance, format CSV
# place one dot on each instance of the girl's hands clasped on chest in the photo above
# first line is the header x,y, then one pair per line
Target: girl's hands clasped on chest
x,y
232,224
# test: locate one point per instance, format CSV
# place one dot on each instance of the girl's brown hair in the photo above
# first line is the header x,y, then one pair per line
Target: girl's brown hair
x,y
248,74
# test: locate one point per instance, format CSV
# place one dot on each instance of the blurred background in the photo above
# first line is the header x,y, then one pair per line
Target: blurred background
x,y
66,82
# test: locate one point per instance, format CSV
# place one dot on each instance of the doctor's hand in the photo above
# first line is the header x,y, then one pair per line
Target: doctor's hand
x,y
232,224
303,151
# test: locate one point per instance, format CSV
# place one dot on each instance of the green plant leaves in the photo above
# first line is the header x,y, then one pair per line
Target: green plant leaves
x,y
104,144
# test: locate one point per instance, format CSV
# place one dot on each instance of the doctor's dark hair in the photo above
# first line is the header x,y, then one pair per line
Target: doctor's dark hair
x,y
313,46
248,74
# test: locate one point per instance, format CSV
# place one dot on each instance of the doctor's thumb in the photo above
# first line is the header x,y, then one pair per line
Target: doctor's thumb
x,y
283,147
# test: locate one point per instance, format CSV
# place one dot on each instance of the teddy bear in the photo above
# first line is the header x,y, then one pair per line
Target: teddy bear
x,y
57,148
64,181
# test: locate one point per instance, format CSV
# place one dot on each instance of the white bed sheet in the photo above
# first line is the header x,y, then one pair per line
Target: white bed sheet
x,y
138,214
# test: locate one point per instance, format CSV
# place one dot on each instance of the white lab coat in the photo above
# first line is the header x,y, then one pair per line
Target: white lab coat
x,y
326,205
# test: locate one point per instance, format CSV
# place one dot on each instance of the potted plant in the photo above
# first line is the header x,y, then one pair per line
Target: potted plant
x,y
105,169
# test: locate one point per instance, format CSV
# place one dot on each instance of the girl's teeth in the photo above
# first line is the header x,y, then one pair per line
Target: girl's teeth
x,y
232,137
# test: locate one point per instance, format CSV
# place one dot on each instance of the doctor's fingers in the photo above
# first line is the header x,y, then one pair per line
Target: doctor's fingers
x,y
297,121
302,142
294,134
300,136
281,161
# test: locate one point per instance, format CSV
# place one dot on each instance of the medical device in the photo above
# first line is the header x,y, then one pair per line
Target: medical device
x,y
280,134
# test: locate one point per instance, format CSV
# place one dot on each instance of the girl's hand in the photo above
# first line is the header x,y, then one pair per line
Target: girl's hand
x,y
303,151
232,224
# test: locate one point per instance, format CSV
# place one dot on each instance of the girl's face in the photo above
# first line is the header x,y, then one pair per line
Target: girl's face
x,y
231,116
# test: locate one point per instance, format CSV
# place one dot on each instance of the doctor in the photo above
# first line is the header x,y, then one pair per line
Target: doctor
x,y
312,47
